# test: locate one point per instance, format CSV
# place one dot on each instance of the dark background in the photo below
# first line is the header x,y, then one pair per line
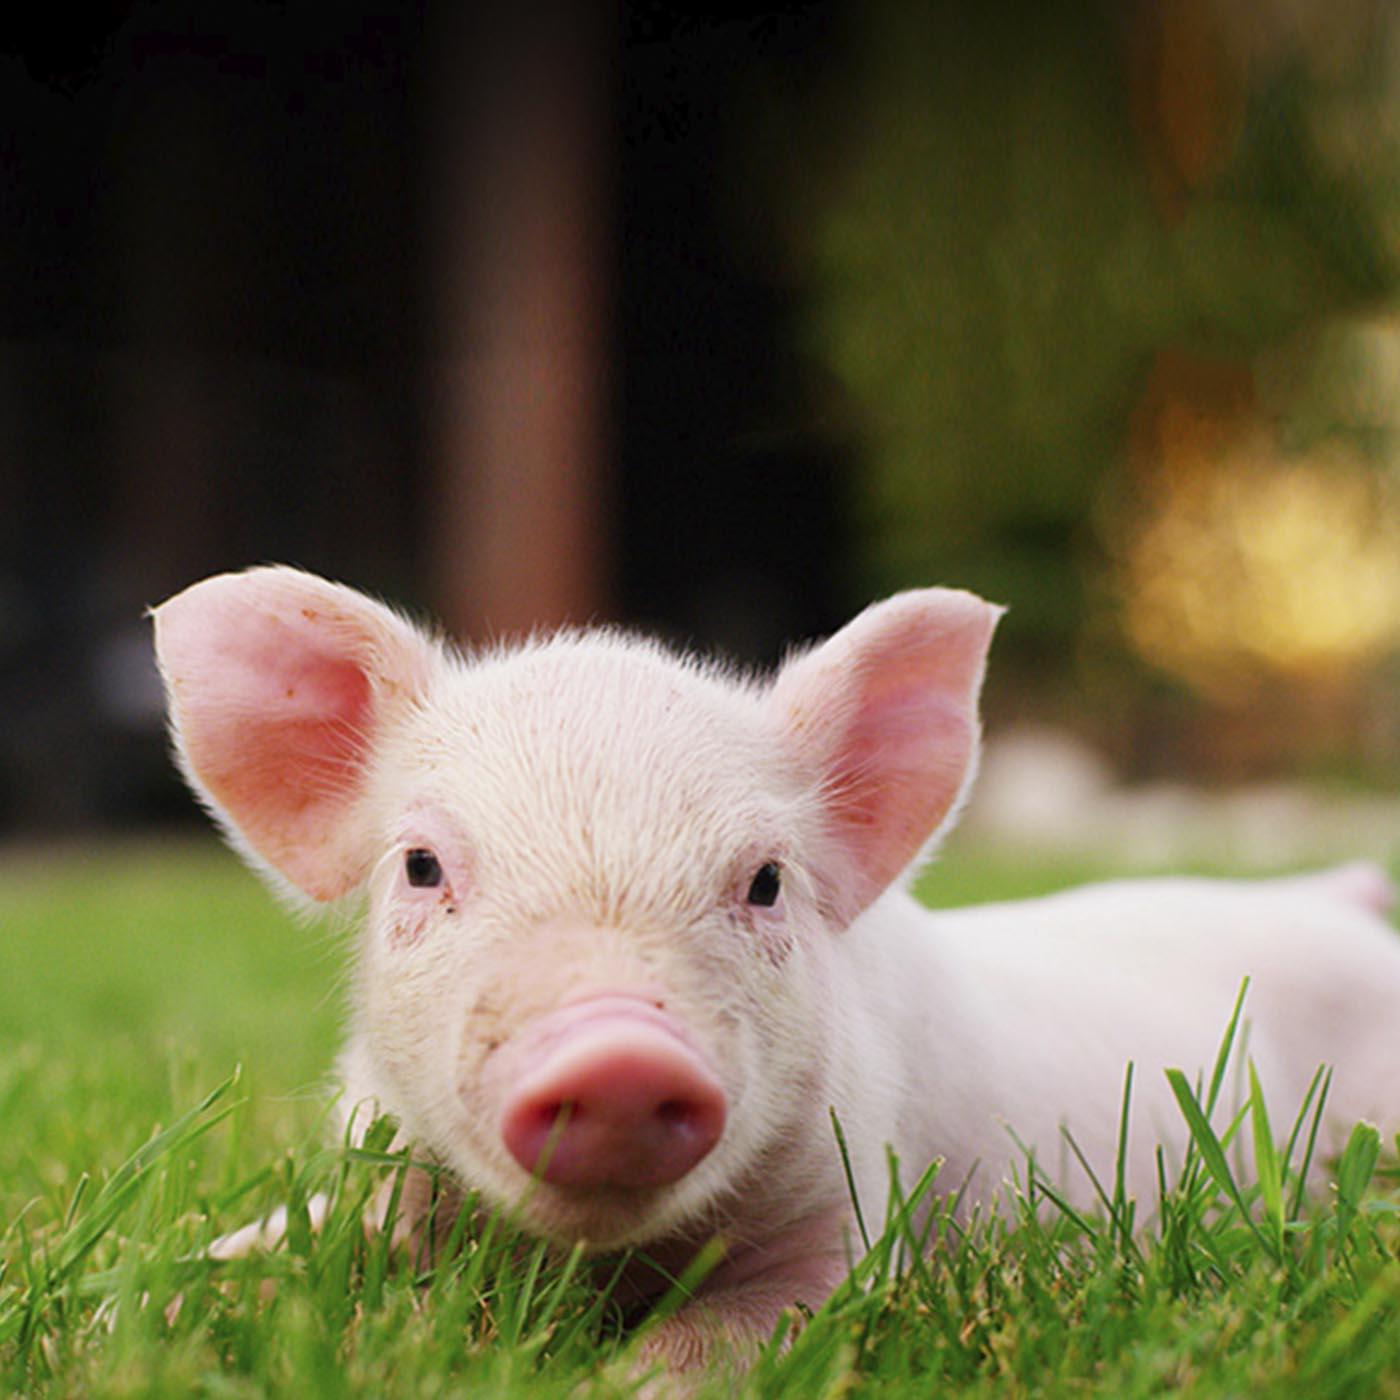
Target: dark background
x,y
217,315
720,327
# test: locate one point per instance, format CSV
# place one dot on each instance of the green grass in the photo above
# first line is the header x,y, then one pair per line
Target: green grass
x,y
133,983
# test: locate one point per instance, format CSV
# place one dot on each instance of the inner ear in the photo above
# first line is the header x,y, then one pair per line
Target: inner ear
x,y
305,735
281,687
885,715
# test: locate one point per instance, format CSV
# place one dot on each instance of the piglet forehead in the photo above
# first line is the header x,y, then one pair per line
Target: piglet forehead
x,y
599,764
601,701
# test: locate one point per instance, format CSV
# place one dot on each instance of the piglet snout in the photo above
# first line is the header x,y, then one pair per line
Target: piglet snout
x,y
609,1092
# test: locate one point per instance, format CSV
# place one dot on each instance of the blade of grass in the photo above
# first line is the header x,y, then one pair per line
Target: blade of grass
x,y
1115,1206
701,1266
1212,1151
1227,1044
850,1179
1267,1167
116,1193
1296,1204
1120,1211
1354,1170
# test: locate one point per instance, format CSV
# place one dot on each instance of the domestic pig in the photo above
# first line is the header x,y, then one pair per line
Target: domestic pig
x,y
636,923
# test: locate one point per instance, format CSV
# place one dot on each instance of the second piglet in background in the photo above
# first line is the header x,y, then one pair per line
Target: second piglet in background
x,y
636,924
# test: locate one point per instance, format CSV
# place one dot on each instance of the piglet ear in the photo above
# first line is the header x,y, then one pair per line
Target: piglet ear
x,y
884,715
279,686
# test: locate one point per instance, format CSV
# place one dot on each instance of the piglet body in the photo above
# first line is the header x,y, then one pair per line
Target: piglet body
x,y
635,925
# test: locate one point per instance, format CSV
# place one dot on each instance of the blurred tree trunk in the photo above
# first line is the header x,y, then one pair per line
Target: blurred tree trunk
x,y
520,269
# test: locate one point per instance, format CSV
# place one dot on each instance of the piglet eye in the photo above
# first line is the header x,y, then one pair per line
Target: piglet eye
x,y
422,868
766,885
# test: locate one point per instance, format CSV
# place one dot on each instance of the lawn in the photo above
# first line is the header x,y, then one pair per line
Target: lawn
x,y
135,980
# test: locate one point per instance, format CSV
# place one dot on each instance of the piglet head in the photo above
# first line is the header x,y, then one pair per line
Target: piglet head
x,y
604,883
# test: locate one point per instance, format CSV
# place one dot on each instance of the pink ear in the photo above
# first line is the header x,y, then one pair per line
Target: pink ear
x,y
886,714
278,684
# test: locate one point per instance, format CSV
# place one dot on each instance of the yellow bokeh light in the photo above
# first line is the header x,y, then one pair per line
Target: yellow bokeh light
x,y
1237,566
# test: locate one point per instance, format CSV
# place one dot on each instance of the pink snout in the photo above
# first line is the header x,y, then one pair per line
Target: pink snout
x,y
608,1092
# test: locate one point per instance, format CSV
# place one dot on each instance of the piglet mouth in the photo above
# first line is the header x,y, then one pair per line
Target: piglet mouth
x,y
608,1094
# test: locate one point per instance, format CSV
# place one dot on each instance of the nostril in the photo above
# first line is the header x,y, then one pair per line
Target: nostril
x,y
542,1130
552,1120
675,1111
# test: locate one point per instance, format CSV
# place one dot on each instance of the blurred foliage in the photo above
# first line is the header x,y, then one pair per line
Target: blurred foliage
x,y
1019,208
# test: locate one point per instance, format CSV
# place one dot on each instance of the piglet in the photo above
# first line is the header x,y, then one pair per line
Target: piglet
x,y
637,923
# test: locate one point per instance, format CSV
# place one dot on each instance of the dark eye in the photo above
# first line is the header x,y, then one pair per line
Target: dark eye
x,y
766,885
422,869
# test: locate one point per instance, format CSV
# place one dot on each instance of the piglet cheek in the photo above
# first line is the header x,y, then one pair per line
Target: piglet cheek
x,y
408,915
405,926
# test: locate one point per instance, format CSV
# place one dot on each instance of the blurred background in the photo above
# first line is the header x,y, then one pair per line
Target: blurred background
x,y
724,327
